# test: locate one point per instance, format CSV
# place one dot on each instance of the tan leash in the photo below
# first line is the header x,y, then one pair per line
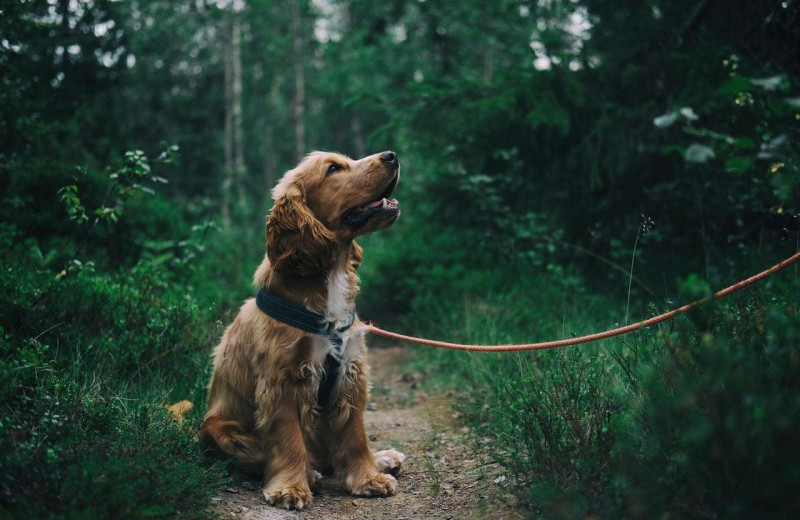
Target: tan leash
x,y
591,337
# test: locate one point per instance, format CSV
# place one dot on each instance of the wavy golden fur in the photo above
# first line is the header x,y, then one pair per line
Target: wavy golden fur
x,y
262,400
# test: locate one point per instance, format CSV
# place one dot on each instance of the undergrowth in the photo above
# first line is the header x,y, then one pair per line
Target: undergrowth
x,y
691,420
97,338
102,326
87,365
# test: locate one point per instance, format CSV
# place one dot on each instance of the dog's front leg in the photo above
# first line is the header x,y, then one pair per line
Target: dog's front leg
x,y
287,462
350,450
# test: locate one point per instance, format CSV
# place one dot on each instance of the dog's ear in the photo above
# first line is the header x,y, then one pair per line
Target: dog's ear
x,y
355,255
297,242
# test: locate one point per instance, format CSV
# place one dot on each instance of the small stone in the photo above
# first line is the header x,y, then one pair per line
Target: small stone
x,y
372,407
355,503
231,490
216,499
500,479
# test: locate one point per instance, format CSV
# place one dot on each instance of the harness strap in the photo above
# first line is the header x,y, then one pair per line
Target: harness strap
x,y
301,318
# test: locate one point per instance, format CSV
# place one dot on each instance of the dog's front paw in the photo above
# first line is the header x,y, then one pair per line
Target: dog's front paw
x,y
377,485
295,496
389,461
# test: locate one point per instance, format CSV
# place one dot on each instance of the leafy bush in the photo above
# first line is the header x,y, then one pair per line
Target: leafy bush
x,y
694,420
710,414
72,446
94,344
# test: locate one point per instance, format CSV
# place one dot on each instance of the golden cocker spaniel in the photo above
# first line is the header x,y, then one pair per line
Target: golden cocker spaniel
x,y
289,387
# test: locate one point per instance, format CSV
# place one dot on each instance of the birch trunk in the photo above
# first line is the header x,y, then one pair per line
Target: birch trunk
x,y
239,168
227,179
234,173
299,82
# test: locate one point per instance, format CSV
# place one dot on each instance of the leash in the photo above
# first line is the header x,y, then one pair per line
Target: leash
x,y
590,337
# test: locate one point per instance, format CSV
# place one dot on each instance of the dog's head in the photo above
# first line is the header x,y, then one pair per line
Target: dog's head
x,y
328,200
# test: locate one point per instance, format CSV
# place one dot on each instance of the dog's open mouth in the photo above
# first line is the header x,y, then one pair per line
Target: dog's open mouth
x,y
359,215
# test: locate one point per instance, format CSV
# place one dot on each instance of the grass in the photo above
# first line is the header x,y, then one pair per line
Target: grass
x,y
681,421
695,419
87,363
106,318
692,420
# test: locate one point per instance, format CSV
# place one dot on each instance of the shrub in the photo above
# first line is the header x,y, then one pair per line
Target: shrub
x,y
709,424
72,446
93,344
692,420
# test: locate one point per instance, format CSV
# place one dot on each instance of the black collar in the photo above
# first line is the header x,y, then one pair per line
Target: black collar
x,y
297,316
315,323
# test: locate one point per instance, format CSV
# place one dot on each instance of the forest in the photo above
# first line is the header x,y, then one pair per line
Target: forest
x,y
567,166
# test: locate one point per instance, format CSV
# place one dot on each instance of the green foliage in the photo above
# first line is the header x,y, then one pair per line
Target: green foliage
x,y
73,447
556,433
72,203
710,417
125,182
89,358
533,136
754,152
692,421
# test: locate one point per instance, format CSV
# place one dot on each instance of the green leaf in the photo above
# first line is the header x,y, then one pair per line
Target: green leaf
x,y
689,114
772,83
745,143
663,121
699,153
735,85
739,164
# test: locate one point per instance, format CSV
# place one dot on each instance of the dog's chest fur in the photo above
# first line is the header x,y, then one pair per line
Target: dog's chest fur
x,y
350,350
342,289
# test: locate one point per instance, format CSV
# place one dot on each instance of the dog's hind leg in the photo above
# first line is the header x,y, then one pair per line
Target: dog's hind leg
x,y
229,438
389,461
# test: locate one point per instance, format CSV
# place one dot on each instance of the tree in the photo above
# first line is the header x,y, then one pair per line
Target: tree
x,y
235,169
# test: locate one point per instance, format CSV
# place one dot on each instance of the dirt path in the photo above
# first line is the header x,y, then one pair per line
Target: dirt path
x,y
443,477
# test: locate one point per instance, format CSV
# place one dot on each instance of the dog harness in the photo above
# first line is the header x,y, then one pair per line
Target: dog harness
x,y
315,323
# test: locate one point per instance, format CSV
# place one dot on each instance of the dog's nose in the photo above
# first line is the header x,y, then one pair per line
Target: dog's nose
x,y
389,157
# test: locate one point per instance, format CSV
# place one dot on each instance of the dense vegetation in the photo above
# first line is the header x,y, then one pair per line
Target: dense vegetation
x,y
567,165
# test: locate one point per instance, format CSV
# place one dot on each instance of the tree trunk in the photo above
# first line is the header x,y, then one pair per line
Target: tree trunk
x,y
358,136
299,82
227,180
239,168
274,102
232,182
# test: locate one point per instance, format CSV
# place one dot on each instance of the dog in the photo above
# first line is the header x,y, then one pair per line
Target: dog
x,y
290,380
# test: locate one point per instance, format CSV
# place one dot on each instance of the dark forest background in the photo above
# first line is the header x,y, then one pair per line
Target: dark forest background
x,y
567,165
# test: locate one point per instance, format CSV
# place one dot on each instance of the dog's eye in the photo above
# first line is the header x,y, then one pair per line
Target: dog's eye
x,y
333,168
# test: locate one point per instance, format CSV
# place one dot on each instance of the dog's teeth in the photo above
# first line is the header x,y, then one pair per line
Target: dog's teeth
x,y
384,203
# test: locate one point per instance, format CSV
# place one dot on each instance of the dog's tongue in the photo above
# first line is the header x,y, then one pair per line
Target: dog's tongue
x,y
382,203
